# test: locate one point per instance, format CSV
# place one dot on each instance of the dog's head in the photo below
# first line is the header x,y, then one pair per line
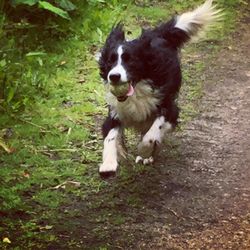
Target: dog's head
x,y
121,63
153,55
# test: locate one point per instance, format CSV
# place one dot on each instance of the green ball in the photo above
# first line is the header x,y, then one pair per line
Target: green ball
x,y
119,90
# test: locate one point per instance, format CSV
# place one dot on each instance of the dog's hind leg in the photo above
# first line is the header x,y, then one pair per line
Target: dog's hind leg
x,y
113,134
151,141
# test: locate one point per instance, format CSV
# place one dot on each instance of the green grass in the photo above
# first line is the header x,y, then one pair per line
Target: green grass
x,y
55,115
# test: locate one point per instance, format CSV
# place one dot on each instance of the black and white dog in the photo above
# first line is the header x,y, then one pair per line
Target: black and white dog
x,y
150,70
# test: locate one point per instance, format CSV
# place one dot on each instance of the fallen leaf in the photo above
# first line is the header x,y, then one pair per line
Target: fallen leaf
x,y
47,227
6,240
61,63
5,147
69,131
68,184
26,175
244,2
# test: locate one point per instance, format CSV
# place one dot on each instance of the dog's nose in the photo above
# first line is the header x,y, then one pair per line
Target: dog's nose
x,y
115,78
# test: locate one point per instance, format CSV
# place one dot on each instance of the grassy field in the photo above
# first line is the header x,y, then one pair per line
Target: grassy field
x,y
51,196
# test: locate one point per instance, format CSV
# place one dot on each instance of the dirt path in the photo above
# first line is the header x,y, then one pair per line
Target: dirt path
x,y
208,197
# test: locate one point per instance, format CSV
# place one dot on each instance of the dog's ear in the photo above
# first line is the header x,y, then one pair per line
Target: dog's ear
x,y
116,35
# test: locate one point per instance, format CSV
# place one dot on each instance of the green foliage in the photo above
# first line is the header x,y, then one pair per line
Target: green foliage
x,y
28,2
65,6
29,51
48,6
19,78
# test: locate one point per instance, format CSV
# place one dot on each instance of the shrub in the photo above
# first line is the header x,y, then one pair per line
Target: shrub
x,y
32,34
57,7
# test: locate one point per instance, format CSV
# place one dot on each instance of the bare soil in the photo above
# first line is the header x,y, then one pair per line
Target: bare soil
x,y
207,195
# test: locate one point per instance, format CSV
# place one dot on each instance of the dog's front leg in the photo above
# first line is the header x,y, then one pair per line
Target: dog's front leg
x,y
110,154
113,147
152,140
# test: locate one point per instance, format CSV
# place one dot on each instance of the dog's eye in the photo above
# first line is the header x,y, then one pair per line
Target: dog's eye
x,y
113,58
125,57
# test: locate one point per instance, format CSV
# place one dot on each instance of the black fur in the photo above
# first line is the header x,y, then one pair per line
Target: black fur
x,y
109,124
154,56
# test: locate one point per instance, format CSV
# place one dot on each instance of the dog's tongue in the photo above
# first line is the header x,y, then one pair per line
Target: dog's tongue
x,y
130,90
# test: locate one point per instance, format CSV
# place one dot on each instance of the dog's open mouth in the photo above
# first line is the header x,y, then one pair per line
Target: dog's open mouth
x,y
122,91
121,98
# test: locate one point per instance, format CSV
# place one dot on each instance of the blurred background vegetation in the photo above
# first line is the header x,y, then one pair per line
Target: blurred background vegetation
x,y
35,34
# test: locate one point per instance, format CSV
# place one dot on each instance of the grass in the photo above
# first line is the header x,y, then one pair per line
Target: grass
x,y
56,139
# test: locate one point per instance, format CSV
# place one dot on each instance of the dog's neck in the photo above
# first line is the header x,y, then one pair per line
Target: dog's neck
x,y
137,108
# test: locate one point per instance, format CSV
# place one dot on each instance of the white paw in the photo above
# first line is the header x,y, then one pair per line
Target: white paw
x,y
138,159
108,166
146,148
144,161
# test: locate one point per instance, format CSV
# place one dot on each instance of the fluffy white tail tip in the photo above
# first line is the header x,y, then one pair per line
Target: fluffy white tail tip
x,y
200,18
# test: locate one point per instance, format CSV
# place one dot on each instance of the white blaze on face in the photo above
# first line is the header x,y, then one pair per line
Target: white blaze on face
x,y
119,69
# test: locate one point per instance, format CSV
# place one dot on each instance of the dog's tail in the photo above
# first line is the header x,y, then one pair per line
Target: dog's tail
x,y
183,27
200,18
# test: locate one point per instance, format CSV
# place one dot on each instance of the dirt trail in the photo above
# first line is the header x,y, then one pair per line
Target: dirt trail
x,y
211,210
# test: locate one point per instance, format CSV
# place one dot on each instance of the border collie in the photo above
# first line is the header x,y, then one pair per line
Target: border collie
x,y
143,78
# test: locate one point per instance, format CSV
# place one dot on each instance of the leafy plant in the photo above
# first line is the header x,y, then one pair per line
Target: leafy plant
x,y
59,7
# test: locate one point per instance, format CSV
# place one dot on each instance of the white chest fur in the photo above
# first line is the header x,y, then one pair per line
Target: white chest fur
x,y
137,108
